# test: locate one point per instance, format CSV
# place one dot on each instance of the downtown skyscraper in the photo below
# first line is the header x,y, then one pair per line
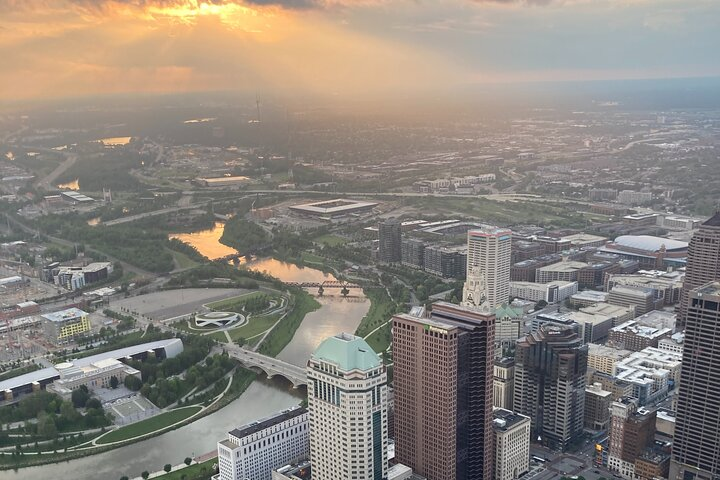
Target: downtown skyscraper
x,y
347,401
443,387
489,256
703,262
549,384
696,446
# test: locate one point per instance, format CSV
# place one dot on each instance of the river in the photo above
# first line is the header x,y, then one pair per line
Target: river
x,y
262,398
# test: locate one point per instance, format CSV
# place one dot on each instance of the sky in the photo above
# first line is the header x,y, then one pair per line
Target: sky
x,y
69,48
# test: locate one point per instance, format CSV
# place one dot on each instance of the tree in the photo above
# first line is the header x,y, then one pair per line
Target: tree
x,y
114,382
145,474
167,468
80,396
344,292
124,477
188,460
133,383
540,304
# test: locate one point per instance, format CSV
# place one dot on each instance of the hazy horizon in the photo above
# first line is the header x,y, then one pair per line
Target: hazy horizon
x,y
70,49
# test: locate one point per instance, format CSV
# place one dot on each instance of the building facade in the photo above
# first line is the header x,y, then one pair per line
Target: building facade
x,y
489,251
443,387
696,449
348,403
66,325
503,381
251,452
550,367
512,444
390,241
703,262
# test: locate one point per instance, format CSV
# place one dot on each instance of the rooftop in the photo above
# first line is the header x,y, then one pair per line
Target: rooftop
x,y
564,266
605,351
347,352
267,422
64,315
632,326
50,372
713,221
649,243
608,309
489,231
504,420
333,206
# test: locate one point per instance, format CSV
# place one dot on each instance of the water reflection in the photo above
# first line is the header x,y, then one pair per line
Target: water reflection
x,y
114,141
207,242
287,272
71,185
93,221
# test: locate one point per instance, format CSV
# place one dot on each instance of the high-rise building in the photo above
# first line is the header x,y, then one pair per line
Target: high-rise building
x,y
390,241
703,262
632,431
512,444
696,448
489,251
443,387
347,400
251,452
550,367
503,375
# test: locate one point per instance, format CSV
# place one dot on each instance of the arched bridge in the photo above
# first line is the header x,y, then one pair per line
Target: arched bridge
x,y
270,366
327,284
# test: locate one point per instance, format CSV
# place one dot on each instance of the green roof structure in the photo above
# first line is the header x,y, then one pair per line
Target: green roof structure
x,y
506,311
347,352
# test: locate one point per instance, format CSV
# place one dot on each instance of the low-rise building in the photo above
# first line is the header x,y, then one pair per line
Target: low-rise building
x,y
674,343
253,451
512,444
665,422
96,375
563,270
551,292
640,298
65,326
445,261
619,314
597,407
583,240
603,358
587,298
651,372
508,325
634,336
665,286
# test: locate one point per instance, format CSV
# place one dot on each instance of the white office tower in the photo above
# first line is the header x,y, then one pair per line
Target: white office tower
x,y
347,400
253,451
489,258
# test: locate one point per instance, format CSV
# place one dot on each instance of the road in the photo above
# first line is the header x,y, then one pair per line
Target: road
x,y
49,179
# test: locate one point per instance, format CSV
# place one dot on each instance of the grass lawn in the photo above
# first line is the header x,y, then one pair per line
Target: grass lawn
x,y
381,309
201,471
150,425
229,303
284,332
255,326
312,258
329,239
381,339
182,260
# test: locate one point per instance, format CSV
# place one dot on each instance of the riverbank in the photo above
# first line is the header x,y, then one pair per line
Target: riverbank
x,y
135,432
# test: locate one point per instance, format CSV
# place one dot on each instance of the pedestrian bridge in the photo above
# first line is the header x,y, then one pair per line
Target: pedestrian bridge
x,y
269,365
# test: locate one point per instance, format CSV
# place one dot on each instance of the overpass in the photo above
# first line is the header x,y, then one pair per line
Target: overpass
x,y
270,366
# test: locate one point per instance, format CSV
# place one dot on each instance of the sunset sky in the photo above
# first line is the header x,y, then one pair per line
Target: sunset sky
x,y
59,48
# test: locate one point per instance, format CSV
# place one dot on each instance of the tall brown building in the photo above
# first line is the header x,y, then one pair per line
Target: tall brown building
x,y
696,447
703,262
443,379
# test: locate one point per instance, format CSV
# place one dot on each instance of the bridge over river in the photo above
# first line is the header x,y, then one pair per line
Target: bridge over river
x,y
269,365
